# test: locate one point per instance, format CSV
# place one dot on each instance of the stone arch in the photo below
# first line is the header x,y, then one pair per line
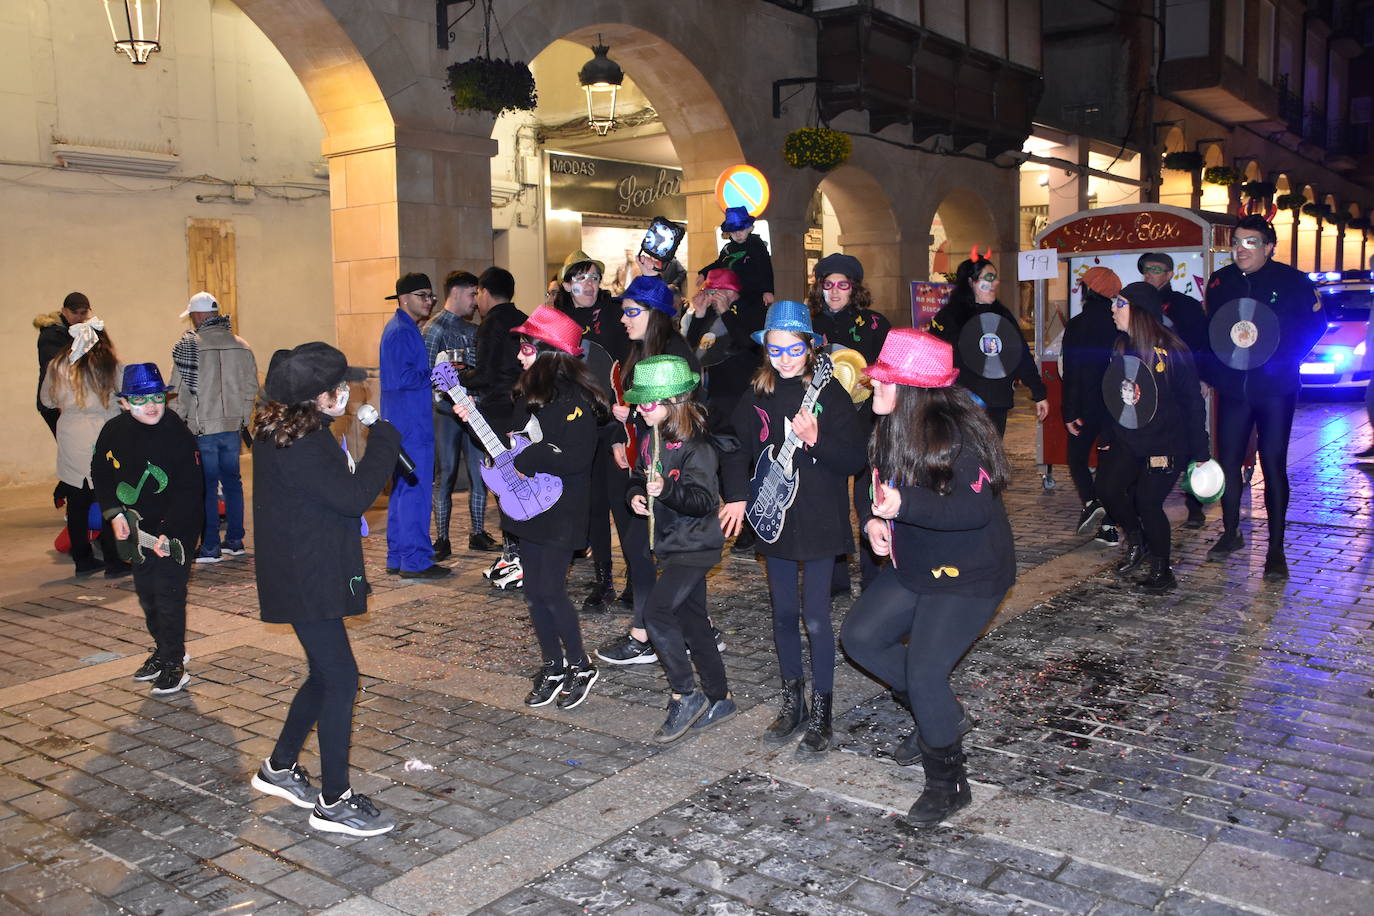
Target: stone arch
x,y
869,231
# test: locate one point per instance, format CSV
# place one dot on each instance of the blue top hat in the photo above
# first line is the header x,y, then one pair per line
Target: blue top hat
x,y
141,378
787,315
651,292
736,218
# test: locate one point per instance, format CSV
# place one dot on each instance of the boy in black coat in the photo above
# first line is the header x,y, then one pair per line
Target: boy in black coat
x,y
747,255
146,462
1088,341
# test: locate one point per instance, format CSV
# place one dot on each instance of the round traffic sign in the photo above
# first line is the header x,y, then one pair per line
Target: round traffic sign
x,y
742,186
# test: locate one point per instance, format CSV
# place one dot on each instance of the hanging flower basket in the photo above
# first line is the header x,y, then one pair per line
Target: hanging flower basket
x,y
1222,175
1312,209
492,85
1258,190
819,148
1338,217
1288,201
1183,161
1360,222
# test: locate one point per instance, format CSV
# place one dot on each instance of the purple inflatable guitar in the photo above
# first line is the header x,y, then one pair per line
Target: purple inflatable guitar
x,y
520,497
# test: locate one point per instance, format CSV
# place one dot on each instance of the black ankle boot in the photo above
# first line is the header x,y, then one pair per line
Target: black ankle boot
x,y
791,716
818,732
627,594
602,589
1160,578
946,789
1132,556
1275,565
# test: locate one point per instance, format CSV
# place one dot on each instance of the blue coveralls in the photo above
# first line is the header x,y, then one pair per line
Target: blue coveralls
x,y
407,403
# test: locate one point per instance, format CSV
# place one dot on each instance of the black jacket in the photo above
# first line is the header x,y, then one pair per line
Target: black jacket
x,y
307,508
958,543
1088,341
52,338
1178,429
686,526
863,330
675,346
1185,316
126,451
996,393
728,379
600,323
498,366
568,425
752,263
818,523
1302,322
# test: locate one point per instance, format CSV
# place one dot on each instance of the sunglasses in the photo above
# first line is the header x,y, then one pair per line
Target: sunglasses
x,y
837,284
797,349
632,311
138,400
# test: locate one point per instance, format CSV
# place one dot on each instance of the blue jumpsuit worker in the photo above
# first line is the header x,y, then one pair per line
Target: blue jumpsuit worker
x,y
406,402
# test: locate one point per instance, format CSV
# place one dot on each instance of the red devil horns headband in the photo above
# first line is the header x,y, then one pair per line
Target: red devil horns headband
x,y
986,256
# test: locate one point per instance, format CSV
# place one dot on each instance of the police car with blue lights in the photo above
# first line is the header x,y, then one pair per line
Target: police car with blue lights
x,y
1341,359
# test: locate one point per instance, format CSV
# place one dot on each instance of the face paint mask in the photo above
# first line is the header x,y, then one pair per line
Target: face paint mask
x,y
342,401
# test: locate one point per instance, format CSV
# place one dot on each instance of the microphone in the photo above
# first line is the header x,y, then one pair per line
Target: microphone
x,y
367,415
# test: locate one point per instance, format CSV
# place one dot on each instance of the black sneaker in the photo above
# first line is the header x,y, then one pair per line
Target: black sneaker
x,y
1229,542
442,549
435,571
577,685
1091,516
716,713
1197,519
1107,535
719,637
1275,566
150,669
628,651
683,712
118,570
548,683
170,679
292,784
483,542
352,814
233,548
744,542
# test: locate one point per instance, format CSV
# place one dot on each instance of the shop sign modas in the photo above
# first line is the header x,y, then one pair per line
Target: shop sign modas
x,y
1145,230
612,188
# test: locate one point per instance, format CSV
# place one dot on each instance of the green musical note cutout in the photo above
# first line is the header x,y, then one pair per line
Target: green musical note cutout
x,y
129,495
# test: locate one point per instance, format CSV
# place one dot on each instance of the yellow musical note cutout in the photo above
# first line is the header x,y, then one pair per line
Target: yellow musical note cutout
x,y
577,412
109,456
951,571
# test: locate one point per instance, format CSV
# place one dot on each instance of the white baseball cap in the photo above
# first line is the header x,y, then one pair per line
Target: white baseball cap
x,y
201,302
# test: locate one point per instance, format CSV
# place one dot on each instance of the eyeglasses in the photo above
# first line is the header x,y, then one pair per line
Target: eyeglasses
x,y
527,348
138,400
1157,269
843,285
988,278
1250,241
797,349
632,311
429,296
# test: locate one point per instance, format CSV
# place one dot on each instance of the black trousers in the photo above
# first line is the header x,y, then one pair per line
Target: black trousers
x,y
1134,495
324,700
161,586
79,500
551,611
1272,419
869,562
813,577
678,623
937,630
634,544
998,416
1079,450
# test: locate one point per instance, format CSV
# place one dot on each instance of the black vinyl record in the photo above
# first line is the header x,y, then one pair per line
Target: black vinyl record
x,y
990,345
1244,333
1129,391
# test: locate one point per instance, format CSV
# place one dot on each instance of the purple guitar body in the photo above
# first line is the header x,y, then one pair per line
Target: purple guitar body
x,y
520,497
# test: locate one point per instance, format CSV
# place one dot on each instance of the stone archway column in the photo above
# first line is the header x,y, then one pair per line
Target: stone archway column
x,y
881,255
424,193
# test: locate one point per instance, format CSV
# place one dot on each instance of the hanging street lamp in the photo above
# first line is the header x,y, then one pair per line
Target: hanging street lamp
x,y
136,26
601,78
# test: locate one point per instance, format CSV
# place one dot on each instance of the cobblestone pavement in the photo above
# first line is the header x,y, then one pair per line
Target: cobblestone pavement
x,y
1204,752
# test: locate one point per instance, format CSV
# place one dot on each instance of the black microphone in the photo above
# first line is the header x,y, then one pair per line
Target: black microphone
x,y
367,415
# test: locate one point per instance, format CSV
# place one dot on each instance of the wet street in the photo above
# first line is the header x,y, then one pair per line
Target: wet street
x,y
1209,751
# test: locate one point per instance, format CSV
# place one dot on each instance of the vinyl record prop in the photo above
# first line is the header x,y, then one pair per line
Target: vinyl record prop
x,y
990,345
714,347
1244,333
1129,391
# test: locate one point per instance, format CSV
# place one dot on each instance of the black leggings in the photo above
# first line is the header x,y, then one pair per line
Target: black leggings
x,y
551,611
815,576
634,545
1272,419
161,586
678,624
325,699
1079,450
938,630
1134,495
